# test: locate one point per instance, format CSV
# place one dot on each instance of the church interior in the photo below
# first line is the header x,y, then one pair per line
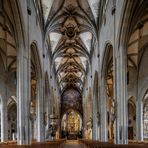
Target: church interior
x,y
73,73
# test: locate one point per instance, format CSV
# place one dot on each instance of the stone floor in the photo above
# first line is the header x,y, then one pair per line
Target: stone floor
x,y
72,144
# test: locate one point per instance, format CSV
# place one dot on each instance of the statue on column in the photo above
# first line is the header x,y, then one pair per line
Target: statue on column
x,y
114,114
51,131
52,127
45,118
98,117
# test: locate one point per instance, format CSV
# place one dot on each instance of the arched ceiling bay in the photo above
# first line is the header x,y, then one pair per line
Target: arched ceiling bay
x,y
70,27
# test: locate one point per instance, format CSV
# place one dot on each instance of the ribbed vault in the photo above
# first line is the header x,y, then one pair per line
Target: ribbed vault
x,y
70,27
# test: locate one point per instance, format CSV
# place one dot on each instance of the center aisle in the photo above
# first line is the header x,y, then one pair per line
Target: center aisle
x,y
72,144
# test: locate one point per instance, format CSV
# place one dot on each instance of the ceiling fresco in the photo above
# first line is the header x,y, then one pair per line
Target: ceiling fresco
x,y
71,99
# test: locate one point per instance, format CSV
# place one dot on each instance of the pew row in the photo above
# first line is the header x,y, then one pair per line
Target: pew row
x,y
97,144
46,144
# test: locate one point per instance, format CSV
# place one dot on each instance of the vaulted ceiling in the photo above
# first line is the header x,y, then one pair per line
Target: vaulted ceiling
x,y
70,27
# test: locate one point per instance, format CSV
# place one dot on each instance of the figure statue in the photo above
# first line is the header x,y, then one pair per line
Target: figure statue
x,y
51,130
98,117
114,114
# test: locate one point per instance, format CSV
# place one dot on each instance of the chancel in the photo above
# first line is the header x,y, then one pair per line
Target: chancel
x,y
73,73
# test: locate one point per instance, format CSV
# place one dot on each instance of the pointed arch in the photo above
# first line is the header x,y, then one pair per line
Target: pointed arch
x,y
35,55
108,51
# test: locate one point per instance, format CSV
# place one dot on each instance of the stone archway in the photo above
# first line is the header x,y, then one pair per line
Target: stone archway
x,y
12,118
145,116
71,125
131,119
107,100
36,102
71,100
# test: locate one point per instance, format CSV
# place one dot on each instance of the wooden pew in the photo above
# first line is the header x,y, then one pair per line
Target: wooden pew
x,y
46,144
97,144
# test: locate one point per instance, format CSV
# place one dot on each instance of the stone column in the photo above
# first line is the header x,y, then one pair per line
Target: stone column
x,y
84,116
4,121
47,104
40,112
58,120
117,110
124,100
23,96
139,120
48,110
103,97
95,120
122,104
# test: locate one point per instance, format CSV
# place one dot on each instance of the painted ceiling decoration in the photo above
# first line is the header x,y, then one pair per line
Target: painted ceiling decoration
x,y
71,27
71,99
